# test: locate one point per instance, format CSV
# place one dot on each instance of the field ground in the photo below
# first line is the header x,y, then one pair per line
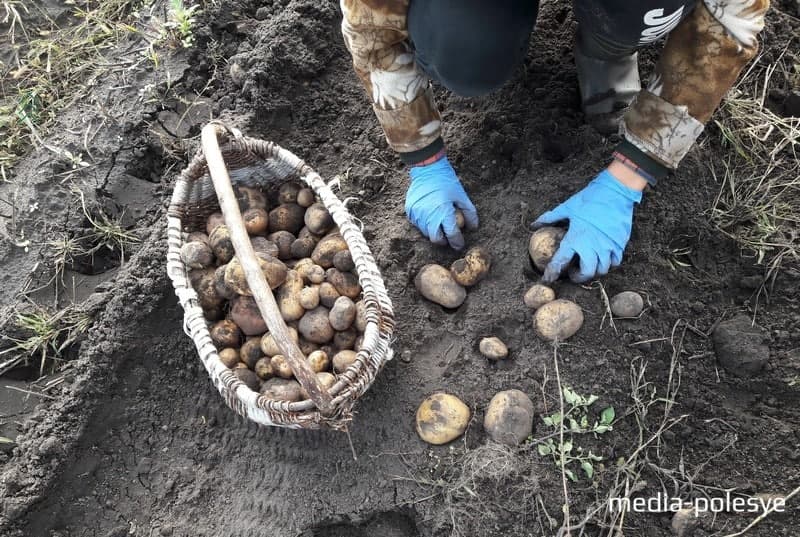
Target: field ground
x,y
126,436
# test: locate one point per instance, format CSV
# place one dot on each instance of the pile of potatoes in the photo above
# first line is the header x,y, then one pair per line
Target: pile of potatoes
x,y
448,287
306,263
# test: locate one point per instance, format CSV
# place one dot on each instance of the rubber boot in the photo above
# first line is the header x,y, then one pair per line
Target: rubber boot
x,y
607,88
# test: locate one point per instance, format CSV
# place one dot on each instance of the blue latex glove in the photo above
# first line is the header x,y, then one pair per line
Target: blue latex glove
x,y
600,218
431,203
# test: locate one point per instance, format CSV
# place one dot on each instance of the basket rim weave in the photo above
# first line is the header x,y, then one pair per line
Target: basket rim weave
x,y
192,193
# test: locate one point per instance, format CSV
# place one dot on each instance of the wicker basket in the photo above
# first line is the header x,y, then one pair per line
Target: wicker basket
x,y
255,162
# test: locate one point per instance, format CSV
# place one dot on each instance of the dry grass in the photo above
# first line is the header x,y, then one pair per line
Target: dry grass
x,y
758,204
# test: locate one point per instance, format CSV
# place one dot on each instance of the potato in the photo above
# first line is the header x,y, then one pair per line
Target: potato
x,y
472,268
221,245
197,236
315,326
286,217
509,417
305,197
460,222
270,347
307,347
283,240
342,314
325,381
240,365
343,359
222,289
288,297
543,245
627,304
309,297
280,367
197,255
215,313
250,351
493,348
249,378
263,368
441,418
305,233
302,247
318,220
328,294
245,313
346,339
326,248
319,361
249,197
281,390
538,295
214,220
359,344
274,271
361,316
262,246
343,261
255,221
206,290
345,283
315,274
437,284
288,192
229,357
226,334
558,320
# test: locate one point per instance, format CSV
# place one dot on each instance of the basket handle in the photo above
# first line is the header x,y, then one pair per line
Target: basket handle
x,y
252,270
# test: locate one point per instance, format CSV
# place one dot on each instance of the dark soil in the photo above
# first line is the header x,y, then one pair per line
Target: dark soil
x,y
136,441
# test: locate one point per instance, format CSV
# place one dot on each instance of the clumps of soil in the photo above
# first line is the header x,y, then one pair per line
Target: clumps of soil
x,y
741,346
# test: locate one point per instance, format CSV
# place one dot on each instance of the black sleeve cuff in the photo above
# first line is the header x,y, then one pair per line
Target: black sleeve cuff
x,y
657,170
421,154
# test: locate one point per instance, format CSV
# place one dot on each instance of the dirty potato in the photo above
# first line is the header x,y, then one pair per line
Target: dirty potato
x,y
343,359
543,245
309,297
288,192
627,304
345,339
197,236
286,217
343,261
280,389
270,347
327,248
250,351
538,295
307,347
437,284
509,417
274,271
345,283
302,247
472,268
255,221
460,222
197,255
213,221
207,293
441,418
342,314
249,197
319,361
283,240
558,320
315,325
325,381
249,378
493,348
245,313
305,197
318,220
263,368
224,290
229,357
328,294
288,297
361,316
221,244
280,367
263,246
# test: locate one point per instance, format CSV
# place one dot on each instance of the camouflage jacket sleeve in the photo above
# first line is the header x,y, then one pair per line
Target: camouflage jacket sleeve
x,y
700,62
376,34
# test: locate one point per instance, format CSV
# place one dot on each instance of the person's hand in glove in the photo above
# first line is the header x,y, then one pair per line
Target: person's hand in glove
x,y
431,202
600,218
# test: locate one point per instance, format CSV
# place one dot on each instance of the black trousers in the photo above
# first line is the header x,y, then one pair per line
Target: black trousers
x,y
473,46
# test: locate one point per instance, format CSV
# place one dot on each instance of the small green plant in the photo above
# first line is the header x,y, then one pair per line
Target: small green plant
x,y
181,22
108,231
575,421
